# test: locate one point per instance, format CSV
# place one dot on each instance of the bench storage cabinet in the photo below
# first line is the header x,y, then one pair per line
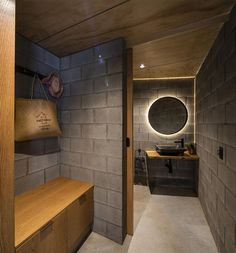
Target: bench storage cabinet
x,y
55,217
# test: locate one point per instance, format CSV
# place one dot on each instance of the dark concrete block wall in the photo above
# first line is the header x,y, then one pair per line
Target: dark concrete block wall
x,y
91,116
216,127
145,93
33,170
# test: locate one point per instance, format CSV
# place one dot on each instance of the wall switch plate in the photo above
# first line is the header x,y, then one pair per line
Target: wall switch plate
x,y
221,153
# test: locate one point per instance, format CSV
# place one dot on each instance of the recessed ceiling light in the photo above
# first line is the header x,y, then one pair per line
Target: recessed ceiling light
x,y
142,66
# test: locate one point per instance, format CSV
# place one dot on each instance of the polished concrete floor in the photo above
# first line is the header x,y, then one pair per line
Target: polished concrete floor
x,y
163,224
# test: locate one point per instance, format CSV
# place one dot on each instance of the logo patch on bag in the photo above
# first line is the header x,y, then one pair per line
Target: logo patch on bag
x,y
43,121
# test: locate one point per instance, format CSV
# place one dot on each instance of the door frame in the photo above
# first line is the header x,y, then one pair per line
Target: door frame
x,y
7,80
129,151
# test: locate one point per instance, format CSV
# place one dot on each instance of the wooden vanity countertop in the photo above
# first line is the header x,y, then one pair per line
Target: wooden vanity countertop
x,y
35,208
153,154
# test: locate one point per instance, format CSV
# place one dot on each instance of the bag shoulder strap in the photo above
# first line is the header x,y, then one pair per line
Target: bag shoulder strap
x,y
35,78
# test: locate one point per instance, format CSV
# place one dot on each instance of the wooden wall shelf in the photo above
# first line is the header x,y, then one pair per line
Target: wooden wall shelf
x,y
152,154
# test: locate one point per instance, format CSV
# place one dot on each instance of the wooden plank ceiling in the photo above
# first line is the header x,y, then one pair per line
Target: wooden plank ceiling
x,y
171,37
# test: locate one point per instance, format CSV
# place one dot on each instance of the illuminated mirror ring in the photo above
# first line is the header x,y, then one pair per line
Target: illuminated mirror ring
x,y
168,115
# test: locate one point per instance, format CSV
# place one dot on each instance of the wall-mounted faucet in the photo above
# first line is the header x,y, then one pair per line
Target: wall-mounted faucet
x,y
181,142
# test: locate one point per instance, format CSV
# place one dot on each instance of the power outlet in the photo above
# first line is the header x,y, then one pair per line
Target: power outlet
x,y
221,153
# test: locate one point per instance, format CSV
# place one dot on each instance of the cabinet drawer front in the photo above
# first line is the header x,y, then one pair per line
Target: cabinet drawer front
x,y
30,246
80,215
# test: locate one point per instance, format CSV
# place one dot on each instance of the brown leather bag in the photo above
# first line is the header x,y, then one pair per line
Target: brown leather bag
x,y
35,118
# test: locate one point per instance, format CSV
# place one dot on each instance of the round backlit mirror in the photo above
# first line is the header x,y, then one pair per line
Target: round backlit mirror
x,y
167,115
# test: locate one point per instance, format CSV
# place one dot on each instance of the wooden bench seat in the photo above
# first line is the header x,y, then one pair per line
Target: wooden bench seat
x,y
53,217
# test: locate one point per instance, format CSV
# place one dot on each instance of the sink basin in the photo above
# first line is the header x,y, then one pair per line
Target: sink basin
x,y
170,150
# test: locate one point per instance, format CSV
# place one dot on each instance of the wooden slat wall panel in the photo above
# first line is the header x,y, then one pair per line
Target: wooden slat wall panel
x,y
37,20
137,21
7,66
177,56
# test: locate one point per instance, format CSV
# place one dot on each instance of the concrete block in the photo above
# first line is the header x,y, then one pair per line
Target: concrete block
x,y
100,226
212,162
227,176
101,115
108,115
219,187
114,132
100,179
114,216
81,58
231,158
114,233
141,102
94,131
231,112
82,116
114,115
114,98
93,70
37,163
65,170
69,103
108,147
81,145
52,173
100,211
94,100
65,117
70,158
36,51
107,83
65,144
114,199
141,136
114,165
110,49
81,87
115,182
21,167
231,204
29,182
230,67
71,130
227,93
115,65
65,62
94,162
165,92
140,119
69,75
100,195
227,134
82,174
51,60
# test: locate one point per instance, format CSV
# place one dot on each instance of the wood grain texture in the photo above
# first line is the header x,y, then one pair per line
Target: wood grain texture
x,y
66,27
152,154
7,65
76,224
141,22
130,165
37,207
177,56
39,20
